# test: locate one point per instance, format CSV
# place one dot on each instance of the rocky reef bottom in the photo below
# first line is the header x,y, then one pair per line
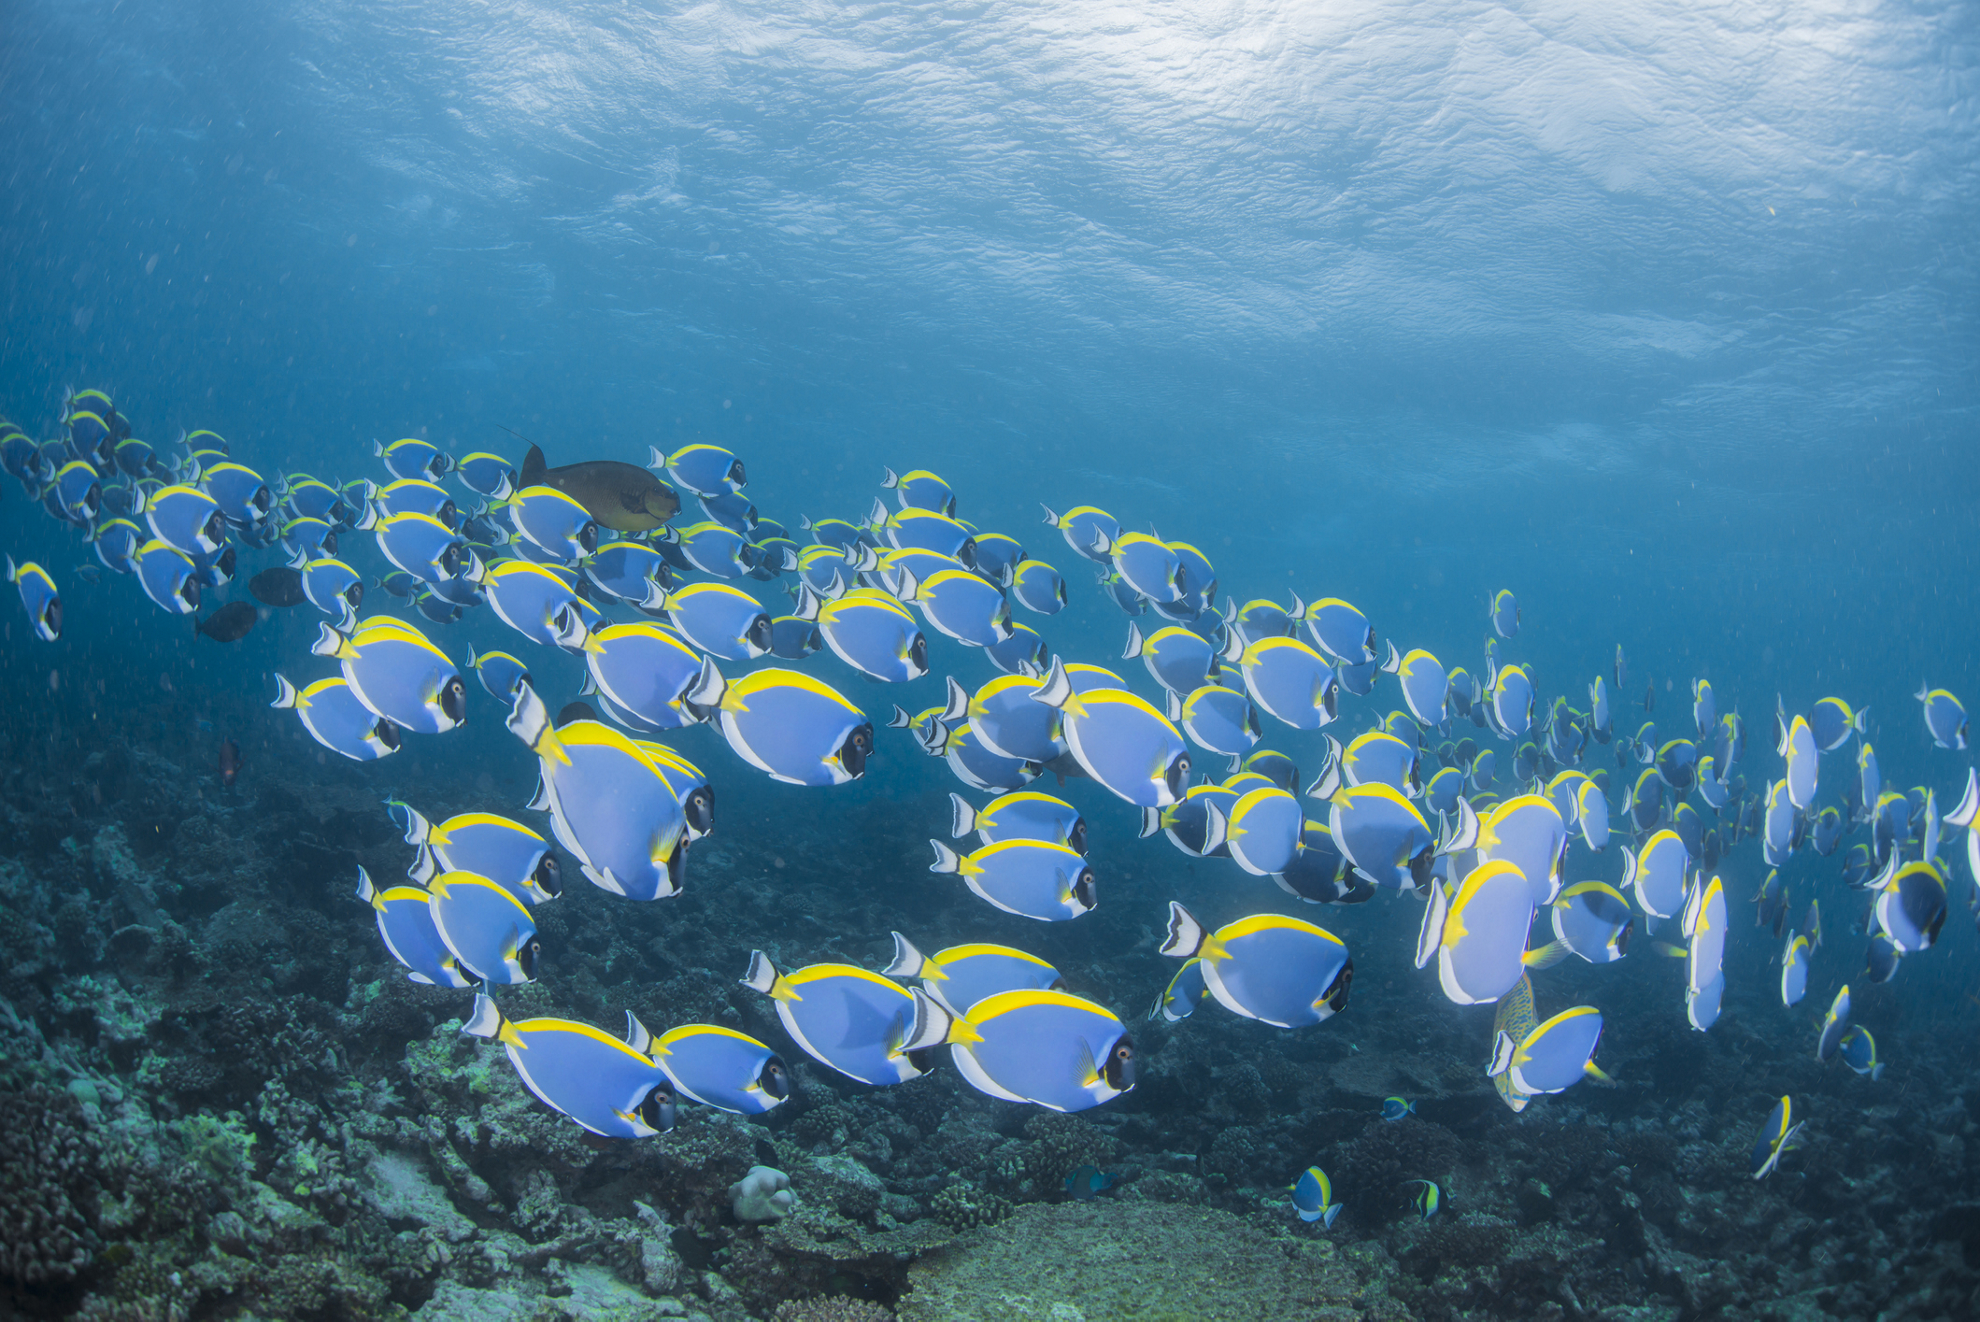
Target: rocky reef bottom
x,y
224,1102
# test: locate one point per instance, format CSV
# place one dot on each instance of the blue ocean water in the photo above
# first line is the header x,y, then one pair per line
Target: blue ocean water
x,y
1662,316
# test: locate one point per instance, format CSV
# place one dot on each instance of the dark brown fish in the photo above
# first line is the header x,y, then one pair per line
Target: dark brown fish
x,y
230,623
622,497
230,761
280,586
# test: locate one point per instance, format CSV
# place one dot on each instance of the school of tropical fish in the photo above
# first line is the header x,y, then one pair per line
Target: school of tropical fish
x,y
1478,795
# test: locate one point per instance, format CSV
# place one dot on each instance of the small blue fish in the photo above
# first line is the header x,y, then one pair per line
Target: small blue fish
x,y
335,718
167,576
1007,721
1341,631
871,631
610,1087
1834,1024
1031,878
1038,587
1263,830
1291,681
609,802
643,671
395,670
844,1017
1277,970
1047,1048
706,470
797,729
554,522
116,542
722,1068
1776,1137
405,924
1185,992
39,597
1021,815
1945,717
962,976
411,457
501,674
506,852
1313,1197
486,927
1395,1108
920,489
1087,530
490,474
186,518
1119,740
1594,921
724,622
1086,1181
420,544
1859,1052
309,537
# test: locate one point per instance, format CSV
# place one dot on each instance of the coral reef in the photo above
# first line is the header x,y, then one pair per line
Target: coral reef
x,y
1147,1260
227,1102
47,1184
763,1194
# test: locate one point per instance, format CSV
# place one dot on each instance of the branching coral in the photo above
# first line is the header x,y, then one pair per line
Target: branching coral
x,y
47,1183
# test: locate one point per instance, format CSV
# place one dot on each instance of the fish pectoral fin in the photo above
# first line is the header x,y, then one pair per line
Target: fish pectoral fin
x,y
1089,1070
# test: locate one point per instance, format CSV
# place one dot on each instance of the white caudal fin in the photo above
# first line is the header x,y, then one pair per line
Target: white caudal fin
x,y
1431,935
1185,936
958,702
931,1024
762,975
1057,689
709,686
1969,803
907,962
1464,833
1216,829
